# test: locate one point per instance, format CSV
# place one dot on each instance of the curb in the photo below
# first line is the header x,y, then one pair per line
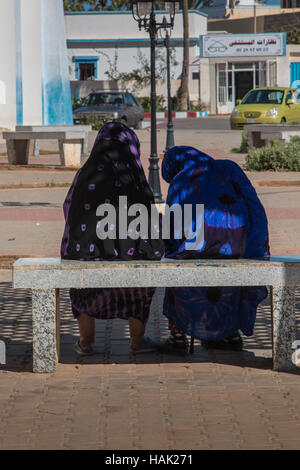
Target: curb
x,y
38,167
178,115
276,183
48,185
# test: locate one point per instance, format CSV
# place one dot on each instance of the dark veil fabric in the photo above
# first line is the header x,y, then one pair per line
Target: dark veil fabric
x,y
112,170
235,226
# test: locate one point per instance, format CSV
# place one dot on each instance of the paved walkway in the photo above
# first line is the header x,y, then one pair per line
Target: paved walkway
x,y
212,400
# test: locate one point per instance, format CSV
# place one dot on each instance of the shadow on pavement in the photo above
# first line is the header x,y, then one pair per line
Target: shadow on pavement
x,y
112,336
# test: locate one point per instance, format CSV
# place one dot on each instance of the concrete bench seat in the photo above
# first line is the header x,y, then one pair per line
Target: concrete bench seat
x,y
70,144
261,134
47,276
35,148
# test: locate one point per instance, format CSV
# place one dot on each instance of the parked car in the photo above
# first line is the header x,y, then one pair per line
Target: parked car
x,y
112,105
273,105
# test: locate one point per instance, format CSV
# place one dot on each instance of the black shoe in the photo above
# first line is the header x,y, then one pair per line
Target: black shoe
x,y
176,343
233,342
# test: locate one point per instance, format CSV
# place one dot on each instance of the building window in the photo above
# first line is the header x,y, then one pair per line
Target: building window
x,y
86,71
290,4
86,68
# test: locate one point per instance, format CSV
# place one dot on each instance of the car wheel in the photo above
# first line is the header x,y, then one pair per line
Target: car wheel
x,y
138,125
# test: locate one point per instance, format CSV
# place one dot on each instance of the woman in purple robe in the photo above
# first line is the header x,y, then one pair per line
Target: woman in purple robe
x,y
113,170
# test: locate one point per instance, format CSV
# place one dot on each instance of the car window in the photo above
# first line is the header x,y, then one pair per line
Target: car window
x,y
296,96
264,97
129,100
289,96
97,99
134,99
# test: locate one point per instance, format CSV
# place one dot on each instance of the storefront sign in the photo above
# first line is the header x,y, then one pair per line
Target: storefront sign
x,y
242,45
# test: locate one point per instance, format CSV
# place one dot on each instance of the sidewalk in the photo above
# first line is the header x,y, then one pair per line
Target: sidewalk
x,y
212,400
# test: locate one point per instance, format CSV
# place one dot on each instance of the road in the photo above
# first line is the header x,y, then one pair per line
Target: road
x,y
208,124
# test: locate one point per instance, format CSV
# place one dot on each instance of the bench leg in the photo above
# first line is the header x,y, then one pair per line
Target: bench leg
x,y
85,145
36,148
18,152
284,326
46,324
70,153
254,139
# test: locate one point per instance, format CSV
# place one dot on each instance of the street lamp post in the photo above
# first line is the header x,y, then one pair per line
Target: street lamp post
x,y
144,13
170,129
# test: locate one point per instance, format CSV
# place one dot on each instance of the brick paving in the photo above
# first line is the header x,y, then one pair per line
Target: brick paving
x,y
212,400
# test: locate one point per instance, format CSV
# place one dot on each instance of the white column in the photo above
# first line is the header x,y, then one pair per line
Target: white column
x,y
31,61
8,64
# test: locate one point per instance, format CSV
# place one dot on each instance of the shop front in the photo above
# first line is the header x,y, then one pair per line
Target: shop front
x,y
238,63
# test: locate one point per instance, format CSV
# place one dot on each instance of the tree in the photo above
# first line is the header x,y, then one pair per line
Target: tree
x,y
141,75
83,5
183,92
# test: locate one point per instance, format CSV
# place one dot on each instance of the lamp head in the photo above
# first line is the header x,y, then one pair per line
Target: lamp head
x,y
142,9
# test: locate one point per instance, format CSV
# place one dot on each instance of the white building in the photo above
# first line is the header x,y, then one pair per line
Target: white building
x,y
239,62
32,47
34,82
95,38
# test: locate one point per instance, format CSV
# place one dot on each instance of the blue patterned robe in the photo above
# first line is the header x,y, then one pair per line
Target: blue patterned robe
x,y
235,226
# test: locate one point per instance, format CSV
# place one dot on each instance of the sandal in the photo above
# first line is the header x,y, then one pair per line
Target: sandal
x,y
148,347
176,343
83,352
233,342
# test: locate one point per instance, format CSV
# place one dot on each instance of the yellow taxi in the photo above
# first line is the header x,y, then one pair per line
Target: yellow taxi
x,y
272,105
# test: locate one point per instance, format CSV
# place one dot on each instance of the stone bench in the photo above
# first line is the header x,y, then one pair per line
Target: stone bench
x,y
47,276
35,147
260,135
70,144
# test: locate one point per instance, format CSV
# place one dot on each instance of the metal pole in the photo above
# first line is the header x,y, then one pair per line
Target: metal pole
x,y
170,130
254,19
199,88
154,179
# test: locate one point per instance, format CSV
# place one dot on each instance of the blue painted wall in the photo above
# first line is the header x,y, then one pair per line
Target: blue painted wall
x,y
295,74
18,58
56,90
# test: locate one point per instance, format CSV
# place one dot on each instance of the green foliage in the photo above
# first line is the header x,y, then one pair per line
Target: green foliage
x,y
160,103
93,121
278,156
82,5
141,75
193,105
77,102
243,148
292,36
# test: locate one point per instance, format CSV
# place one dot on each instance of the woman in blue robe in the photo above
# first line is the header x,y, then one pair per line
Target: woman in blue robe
x,y
235,226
